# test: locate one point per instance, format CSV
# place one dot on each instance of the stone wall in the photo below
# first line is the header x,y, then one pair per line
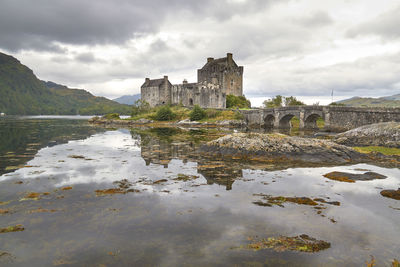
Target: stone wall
x,y
336,118
190,94
216,79
344,118
151,95
223,72
156,92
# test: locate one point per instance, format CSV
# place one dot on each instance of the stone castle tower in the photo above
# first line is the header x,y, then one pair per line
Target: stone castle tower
x,y
217,79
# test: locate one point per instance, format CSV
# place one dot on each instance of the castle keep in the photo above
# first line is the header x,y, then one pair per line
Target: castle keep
x,y
217,79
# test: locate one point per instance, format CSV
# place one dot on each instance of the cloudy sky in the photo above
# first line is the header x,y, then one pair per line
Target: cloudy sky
x,y
305,48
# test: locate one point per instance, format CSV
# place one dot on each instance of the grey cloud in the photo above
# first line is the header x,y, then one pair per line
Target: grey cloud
x,y
37,25
378,75
385,25
86,57
316,19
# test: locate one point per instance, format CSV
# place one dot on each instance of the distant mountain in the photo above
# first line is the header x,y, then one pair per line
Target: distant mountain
x,y
22,93
386,101
127,99
393,97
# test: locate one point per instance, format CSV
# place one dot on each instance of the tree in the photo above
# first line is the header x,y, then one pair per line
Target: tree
x,y
233,101
197,113
280,101
140,106
292,101
275,102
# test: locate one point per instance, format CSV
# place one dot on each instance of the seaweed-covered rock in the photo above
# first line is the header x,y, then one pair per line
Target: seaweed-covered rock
x,y
378,134
353,177
301,243
395,194
281,148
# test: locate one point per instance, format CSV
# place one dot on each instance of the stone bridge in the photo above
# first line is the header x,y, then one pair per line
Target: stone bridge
x,y
336,118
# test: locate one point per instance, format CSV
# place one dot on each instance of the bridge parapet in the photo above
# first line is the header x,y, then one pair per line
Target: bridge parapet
x,y
336,118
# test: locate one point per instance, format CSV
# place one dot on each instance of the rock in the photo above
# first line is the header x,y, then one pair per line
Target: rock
x,y
353,177
281,148
188,122
142,121
379,134
233,123
94,119
395,194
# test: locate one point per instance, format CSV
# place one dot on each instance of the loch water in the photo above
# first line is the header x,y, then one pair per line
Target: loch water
x,y
90,196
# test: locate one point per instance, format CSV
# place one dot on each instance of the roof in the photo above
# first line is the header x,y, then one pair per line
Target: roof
x,y
154,83
218,61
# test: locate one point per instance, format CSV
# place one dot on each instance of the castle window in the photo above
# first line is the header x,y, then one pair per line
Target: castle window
x,y
190,101
232,82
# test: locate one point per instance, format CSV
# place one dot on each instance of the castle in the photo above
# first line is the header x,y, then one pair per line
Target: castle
x,y
217,79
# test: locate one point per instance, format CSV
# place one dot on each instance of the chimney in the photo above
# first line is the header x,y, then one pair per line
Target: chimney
x,y
165,78
229,57
185,81
147,80
210,59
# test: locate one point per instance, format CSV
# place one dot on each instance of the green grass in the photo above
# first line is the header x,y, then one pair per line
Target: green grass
x,y
296,122
183,113
390,151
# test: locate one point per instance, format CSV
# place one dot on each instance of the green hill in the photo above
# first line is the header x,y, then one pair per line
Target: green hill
x,y
22,93
387,102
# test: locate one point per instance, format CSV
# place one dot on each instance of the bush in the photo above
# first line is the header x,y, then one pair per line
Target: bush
x,y
197,113
212,113
111,116
337,104
280,101
233,101
238,116
165,114
292,101
140,106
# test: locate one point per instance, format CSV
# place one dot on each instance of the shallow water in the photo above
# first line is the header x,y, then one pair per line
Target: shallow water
x,y
206,218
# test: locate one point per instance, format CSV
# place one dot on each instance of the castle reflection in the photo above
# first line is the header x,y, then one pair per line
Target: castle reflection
x,y
161,145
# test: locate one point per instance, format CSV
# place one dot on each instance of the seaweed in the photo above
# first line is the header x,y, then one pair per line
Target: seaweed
x,y
353,177
9,229
111,191
301,243
34,196
76,157
394,194
185,178
160,181
4,211
280,200
40,210
66,188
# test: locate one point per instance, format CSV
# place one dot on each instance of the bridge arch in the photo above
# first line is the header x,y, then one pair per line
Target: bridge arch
x,y
284,121
269,121
310,122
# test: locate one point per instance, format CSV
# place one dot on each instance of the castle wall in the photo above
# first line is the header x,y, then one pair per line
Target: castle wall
x,y
216,79
151,95
233,82
192,94
223,72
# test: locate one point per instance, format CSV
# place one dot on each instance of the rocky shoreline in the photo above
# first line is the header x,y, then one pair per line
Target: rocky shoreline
x,y
184,123
379,134
281,148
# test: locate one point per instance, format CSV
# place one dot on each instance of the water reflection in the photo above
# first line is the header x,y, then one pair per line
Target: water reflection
x,y
161,145
180,212
21,139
